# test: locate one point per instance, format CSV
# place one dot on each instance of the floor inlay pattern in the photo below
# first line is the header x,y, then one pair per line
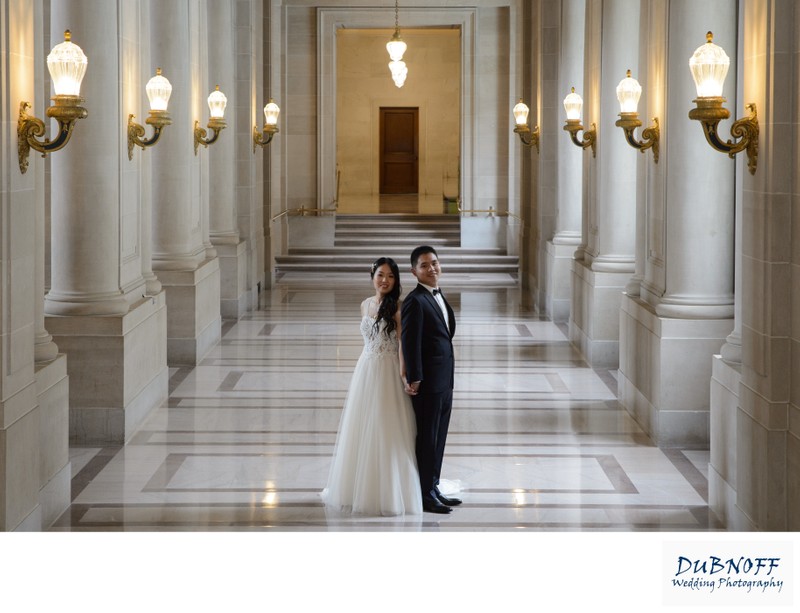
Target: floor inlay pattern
x,y
537,440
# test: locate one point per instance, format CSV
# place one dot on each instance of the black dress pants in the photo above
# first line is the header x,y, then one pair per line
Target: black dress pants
x,y
432,413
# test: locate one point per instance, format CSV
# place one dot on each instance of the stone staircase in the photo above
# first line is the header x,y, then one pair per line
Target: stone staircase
x,y
360,239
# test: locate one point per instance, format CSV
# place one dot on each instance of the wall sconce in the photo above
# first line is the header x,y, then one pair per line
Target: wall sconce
x,y
628,93
709,66
271,112
529,138
216,106
67,65
573,104
158,91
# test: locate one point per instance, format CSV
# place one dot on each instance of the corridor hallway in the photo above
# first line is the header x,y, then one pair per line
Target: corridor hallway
x,y
537,439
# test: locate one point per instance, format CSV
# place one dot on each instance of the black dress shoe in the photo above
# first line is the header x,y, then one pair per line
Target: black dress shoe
x,y
450,502
434,506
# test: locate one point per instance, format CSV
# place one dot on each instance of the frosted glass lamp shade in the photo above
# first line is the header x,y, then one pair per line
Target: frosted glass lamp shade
x,y
158,89
396,47
216,104
67,66
399,72
271,112
573,104
709,65
521,111
628,93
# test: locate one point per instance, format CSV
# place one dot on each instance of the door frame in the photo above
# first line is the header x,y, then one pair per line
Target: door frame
x,y
417,123
329,20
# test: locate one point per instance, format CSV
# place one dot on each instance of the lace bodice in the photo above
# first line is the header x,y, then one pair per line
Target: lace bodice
x,y
376,342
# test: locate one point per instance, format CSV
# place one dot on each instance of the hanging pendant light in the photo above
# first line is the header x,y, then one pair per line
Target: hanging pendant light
x,y
396,48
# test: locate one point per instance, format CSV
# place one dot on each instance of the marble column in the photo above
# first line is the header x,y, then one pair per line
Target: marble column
x,y
567,238
84,213
190,279
136,174
224,231
44,348
685,308
152,283
700,201
698,280
600,277
177,230
202,44
254,21
731,351
98,312
610,245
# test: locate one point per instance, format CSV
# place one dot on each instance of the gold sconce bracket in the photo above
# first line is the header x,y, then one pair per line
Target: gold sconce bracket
x,y
263,138
157,119
651,135
66,110
529,138
573,126
215,124
709,112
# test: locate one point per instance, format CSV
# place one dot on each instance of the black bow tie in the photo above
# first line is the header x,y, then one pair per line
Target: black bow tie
x,y
436,292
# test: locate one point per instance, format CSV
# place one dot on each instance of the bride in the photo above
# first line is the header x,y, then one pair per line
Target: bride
x,y
374,470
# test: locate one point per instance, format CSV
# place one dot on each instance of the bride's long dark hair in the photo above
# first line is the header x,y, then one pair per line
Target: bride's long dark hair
x,y
388,306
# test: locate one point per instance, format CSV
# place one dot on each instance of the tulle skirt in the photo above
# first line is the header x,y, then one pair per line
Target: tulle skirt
x,y
374,469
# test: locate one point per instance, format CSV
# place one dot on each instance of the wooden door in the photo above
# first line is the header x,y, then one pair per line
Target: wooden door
x,y
399,158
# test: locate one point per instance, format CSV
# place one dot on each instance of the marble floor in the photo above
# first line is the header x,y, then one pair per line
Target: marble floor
x,y
537,439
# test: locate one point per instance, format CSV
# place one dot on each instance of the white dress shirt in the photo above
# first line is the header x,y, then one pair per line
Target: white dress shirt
x,y
440,301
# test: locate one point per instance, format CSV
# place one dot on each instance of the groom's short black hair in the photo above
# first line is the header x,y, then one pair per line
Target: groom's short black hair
x,y
421,250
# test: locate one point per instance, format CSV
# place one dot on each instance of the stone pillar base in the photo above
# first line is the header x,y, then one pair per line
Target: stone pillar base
x,y
594,316
117,367
233,279
52,391
725,380
19,462
664,372
767,458
194,323
558,294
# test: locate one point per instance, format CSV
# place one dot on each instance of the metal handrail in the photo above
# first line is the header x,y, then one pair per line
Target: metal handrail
x,y
302,212
490,211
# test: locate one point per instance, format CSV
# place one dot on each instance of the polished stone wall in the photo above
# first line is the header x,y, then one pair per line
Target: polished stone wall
x,y
364,85
767,432
489,70
34,464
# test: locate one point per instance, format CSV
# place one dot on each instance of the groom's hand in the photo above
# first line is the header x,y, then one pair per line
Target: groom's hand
x,y
412,388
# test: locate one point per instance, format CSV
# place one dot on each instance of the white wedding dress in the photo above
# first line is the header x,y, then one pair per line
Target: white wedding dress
x,y
374,469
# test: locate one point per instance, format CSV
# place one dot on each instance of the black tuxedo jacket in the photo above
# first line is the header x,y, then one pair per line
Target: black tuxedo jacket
x,y
427,342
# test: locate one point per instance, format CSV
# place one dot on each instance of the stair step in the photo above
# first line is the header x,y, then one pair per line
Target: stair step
x,y
369,257
369,250
363,229
359,239
329,266
344,262
391,217
400,243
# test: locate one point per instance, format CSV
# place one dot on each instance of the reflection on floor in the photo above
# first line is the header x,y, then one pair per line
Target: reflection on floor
x,y
537,439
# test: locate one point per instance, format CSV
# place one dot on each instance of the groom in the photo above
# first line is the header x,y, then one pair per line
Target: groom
x,y
428,325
